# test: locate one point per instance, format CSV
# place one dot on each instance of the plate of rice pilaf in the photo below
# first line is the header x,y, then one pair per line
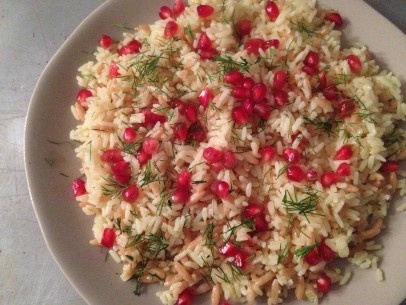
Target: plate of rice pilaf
x,y
226,152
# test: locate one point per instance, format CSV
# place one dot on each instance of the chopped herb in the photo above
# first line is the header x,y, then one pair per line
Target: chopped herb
x,y
246,223
301,252
303,28
324,125
124,26
283,253
189,32
63,174
304,207
228,64
50,159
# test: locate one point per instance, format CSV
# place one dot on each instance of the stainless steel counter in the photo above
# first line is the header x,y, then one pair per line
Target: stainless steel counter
x,y
30,33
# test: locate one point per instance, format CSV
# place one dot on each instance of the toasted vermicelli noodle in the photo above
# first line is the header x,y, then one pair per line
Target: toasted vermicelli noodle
x,y
238,151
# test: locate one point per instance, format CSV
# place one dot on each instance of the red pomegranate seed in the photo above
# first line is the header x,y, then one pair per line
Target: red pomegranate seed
x,y
105,41
186,297
326,252
121,171
243,27
204,43
171,29
225,303
295,173
303,142
253,210
259,92
129,135
180,131
113,71
309,70
178,7
311,175
345,108
112,155
191,113
205,97
209,54
248,83
262,110
390,166
292,155
272,10
323,283
355,63
272,43
108,238
181,195
344,153
218,166
279,79
178,104
253,45
280,98
321,80
312,59
212,155
79,187
184,179
268,153
165,12
221,189
82,97
249,105
131,48
335,18
331,93
150,146
313,258
261,225
228,249
234,78
151,119
240,116
328,179
229,160
343,170
240,259
241,93
196,133
143,157
205,11
130,193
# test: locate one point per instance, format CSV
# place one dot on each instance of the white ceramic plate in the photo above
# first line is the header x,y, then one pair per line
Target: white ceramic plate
x,y
67,230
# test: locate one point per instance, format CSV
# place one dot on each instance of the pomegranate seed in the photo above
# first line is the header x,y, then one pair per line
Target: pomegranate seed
x,y
186,297
241,93
221,189
130,194
225,303
240,259
303,142
280,98
108,238
240,115
105,41
111,155
82,97
345,108
180,131
151,119
262,110
344,153
113,71
309,70
171,29
129,135
204,43
272,43
196,133
292,155
268,153
150,146
79,187
343,170
248,83
313,258
229,160
253,45
205,11
205,97
328,179
279,79
249,106
331,93
311,175
191,113
143,157
322,80
178,104
312,59
209,54
131,48
253,210
295,173
234,78
261,225
184,179
259,92
165,12
390,166
217,166
323,283
326,252
212,155
335,18
272,10
243,27
228,249
121,171
181,195
355,63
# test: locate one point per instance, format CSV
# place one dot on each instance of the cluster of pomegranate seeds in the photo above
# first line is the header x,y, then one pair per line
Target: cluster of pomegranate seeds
x,y
112,155
182,193
390,166
79,187
272,10
205,11
335,18
323,283
132,47
129,135
113,71
321,253
239,253
105,41
151,118
171,29
186,297
130,193
108,238
219,159
221,189
256,212
82,97
205,47
354,63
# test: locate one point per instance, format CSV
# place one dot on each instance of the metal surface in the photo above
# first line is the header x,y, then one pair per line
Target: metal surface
x,y
30,33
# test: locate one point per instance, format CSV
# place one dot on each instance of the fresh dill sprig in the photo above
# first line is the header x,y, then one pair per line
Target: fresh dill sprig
x,y
231,230
301,252
283,253
188,31
306,206
123,26
324,125
395,136
364,114
228,64
113,187
156,243
303,28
